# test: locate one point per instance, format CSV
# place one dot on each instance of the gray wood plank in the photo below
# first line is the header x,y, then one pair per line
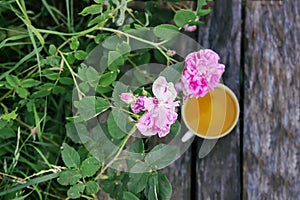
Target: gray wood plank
x,y
272,98
179,174
218,174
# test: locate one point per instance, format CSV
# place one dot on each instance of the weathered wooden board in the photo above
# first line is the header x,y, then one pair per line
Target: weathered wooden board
x,y
272,100
218,174
179,174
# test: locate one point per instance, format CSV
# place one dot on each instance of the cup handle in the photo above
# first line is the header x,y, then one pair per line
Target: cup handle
x,y
187,136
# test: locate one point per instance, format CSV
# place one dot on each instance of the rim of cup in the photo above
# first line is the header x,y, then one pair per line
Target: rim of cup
x,y
236,103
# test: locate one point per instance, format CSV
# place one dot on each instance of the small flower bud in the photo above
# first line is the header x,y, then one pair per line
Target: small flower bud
x,y
171,52
128,98
144,92
190,28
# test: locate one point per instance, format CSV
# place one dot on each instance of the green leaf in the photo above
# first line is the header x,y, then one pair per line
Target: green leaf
x,y
140,167
6,133
108,78
101,105
10,116
101,37
28,83
66,81
91,10
159,57
3,123
137,154
80,55
91,106
54,61
71,58
123,48
114,127
166,31
72,132
22,92
118,90
108,186
161,156
142,58
175,129
52,49
137,182
75,191
69,177
173,73
74,44
158,187
115,57
59,90
121,119
183,17
88,74
89,167
165,187
12,80
84,87
70,156
151,190
40,94
129,196
137,146
97,20
50,74
113,41
203,12
91,187
78,132
103,90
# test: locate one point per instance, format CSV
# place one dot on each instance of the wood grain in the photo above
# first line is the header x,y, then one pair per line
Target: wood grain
x,y
218,174
272,100
179,174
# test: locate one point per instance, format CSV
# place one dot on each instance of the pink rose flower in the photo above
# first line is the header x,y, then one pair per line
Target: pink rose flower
x,y
128,98
201,73
160,110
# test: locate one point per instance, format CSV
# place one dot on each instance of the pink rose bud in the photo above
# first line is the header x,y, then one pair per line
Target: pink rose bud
x,y
190,28
128,98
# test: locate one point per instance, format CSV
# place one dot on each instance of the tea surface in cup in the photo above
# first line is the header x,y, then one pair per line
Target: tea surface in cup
x,y
214,114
